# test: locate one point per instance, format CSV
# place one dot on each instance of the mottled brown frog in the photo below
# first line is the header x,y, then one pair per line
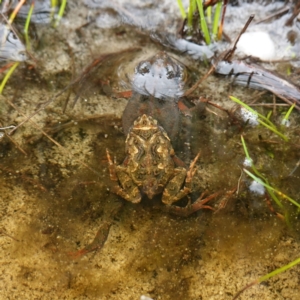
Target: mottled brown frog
x,y
151,121
150,165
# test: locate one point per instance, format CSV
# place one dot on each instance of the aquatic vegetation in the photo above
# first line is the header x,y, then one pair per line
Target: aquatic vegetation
x,y
203,22
270,188
263,181
196,9
26,26
259,117
12,48
259,178
60,12
285,121
8,74
268,276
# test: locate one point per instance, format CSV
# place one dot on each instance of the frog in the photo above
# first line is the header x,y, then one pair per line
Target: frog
x,y
151,168
150,165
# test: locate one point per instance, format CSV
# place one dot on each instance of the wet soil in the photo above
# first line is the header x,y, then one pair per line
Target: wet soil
x,y
54,184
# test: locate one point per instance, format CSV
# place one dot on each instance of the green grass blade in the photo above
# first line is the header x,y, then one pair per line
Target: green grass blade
x,y
279,270
245,148
287,115
208,14
203,24
6,77
15,11
53,7
274,130
191,11
268,124
273,196
238,101
60,12
26,27
271,193
271,188
181,8
217,19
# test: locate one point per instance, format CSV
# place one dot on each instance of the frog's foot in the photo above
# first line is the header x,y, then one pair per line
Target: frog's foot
x,y
200,203
96,244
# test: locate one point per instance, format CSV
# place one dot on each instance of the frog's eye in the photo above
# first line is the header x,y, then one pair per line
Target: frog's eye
x,y
143,68
170,72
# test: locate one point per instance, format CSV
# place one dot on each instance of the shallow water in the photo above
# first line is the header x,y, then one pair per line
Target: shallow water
x,y
55,197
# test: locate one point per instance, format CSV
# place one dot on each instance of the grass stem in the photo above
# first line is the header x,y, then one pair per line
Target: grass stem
x,y
259,180
203,24
287,115
266,122
279,270
8,74
15,11
181,8
26,27
60,12
217,19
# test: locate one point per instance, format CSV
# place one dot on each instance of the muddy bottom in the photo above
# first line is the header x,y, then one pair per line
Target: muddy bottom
x,y
55,187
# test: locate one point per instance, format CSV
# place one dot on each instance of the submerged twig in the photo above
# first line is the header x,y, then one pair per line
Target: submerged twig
x,y
12,140
228,54
220,31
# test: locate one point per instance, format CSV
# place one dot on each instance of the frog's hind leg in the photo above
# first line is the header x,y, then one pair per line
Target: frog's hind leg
x,y
129,190
173,191
200,203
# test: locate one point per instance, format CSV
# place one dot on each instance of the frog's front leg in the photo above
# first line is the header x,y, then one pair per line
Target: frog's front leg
x,y
128,189
173,191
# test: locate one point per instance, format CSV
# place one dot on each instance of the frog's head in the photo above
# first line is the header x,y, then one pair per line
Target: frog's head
x,y
145,127
160,76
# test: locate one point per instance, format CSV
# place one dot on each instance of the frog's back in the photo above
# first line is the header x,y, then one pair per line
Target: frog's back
x,y
149,155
